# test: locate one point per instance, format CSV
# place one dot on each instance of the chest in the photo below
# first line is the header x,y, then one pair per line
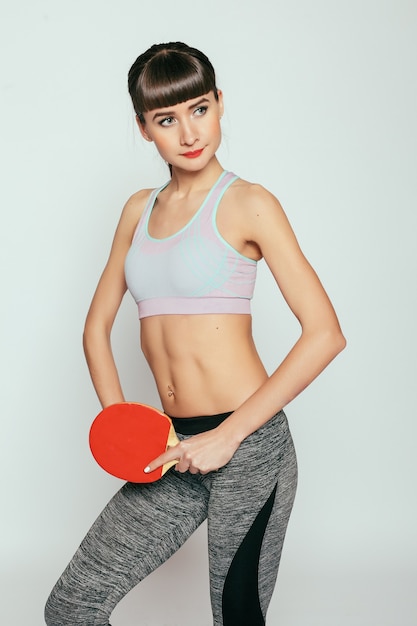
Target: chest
x,y
168,219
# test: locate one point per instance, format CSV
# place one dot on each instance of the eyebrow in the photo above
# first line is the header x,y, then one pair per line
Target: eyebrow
x,y
192,106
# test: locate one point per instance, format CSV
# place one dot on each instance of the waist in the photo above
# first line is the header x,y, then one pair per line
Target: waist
x,y
198,424
202,364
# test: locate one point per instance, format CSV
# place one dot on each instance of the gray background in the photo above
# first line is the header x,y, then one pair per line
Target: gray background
x,y
321,109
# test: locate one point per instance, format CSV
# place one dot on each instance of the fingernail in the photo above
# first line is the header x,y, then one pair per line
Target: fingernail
x,y
147,470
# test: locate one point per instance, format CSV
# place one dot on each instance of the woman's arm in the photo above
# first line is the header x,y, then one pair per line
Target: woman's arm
x,y
321,338
105,305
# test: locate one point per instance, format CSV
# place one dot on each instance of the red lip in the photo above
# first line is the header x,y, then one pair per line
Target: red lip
x,y
194,154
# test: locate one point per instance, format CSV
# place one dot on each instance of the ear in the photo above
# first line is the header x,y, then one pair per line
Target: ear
x,y
142,128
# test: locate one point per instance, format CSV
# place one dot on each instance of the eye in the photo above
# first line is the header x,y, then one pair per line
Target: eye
x,y
200,111
167,121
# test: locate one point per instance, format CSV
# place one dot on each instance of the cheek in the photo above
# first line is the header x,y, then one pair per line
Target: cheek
x,y
212,126
215,128
162,144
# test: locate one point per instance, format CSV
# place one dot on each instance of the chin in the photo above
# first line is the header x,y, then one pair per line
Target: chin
x,y
194,165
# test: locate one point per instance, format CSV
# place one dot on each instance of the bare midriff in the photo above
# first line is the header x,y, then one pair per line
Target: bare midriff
x,y
202,364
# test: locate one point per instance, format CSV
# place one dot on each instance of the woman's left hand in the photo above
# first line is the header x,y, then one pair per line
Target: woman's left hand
x,y
202,453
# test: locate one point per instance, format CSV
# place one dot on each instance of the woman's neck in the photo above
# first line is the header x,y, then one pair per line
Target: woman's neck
x,y
183,182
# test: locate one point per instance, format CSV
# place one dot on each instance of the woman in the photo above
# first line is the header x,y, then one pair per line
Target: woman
x,y
188,253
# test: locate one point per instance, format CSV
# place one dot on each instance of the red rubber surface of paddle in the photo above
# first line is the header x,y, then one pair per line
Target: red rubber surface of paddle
x,y
125,437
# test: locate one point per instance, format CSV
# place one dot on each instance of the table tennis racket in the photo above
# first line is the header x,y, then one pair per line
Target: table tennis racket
x,y
125,437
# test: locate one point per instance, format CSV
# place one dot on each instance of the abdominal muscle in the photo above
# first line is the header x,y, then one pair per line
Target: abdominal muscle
x,y
202,364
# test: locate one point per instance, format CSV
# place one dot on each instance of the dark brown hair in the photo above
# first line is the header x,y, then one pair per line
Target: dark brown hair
x,y
167,74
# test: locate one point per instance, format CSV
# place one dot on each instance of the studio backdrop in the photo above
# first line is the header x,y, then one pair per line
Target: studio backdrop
x,y
321,108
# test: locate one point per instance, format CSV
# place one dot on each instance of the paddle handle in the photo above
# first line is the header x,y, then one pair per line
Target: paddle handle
x,y
172,441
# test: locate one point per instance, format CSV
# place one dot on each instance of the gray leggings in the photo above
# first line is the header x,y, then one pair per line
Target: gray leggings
x,y
247,504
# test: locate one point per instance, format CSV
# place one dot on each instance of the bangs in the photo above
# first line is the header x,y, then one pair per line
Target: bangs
x,y
170,78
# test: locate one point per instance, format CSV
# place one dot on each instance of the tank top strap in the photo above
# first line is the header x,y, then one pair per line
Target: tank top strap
x,y
152,199
216,193
148,209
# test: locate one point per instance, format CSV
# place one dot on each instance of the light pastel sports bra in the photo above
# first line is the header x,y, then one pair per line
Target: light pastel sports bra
x,y
194,271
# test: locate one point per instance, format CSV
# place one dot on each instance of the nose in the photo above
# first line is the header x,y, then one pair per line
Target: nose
x,y
188,133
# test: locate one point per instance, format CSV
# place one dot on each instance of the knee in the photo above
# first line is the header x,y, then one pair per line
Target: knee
x,y
51,613
63,608
58,612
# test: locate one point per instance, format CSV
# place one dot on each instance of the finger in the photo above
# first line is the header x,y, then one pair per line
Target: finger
x,y
171,454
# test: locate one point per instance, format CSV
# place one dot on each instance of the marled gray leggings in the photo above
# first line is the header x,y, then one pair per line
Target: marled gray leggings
x,y
247,503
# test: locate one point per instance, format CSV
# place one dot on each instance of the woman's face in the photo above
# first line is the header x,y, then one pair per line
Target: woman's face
x,y
187,134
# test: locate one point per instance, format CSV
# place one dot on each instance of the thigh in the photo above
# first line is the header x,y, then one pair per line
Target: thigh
x,y
250,504
139,529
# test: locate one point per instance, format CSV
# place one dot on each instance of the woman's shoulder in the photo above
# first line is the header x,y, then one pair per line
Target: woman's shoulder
x,y
136,204
132,212
138,200
253,197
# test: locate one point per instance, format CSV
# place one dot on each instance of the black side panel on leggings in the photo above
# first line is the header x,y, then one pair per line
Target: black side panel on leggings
x,y
241,606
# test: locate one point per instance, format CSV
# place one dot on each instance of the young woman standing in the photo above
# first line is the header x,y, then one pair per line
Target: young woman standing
x,y
188,253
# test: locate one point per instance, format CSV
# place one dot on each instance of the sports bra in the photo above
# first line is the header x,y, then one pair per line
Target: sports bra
x,y
193,271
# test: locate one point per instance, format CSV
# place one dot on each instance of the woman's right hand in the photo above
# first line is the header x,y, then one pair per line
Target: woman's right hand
x,y
202,453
